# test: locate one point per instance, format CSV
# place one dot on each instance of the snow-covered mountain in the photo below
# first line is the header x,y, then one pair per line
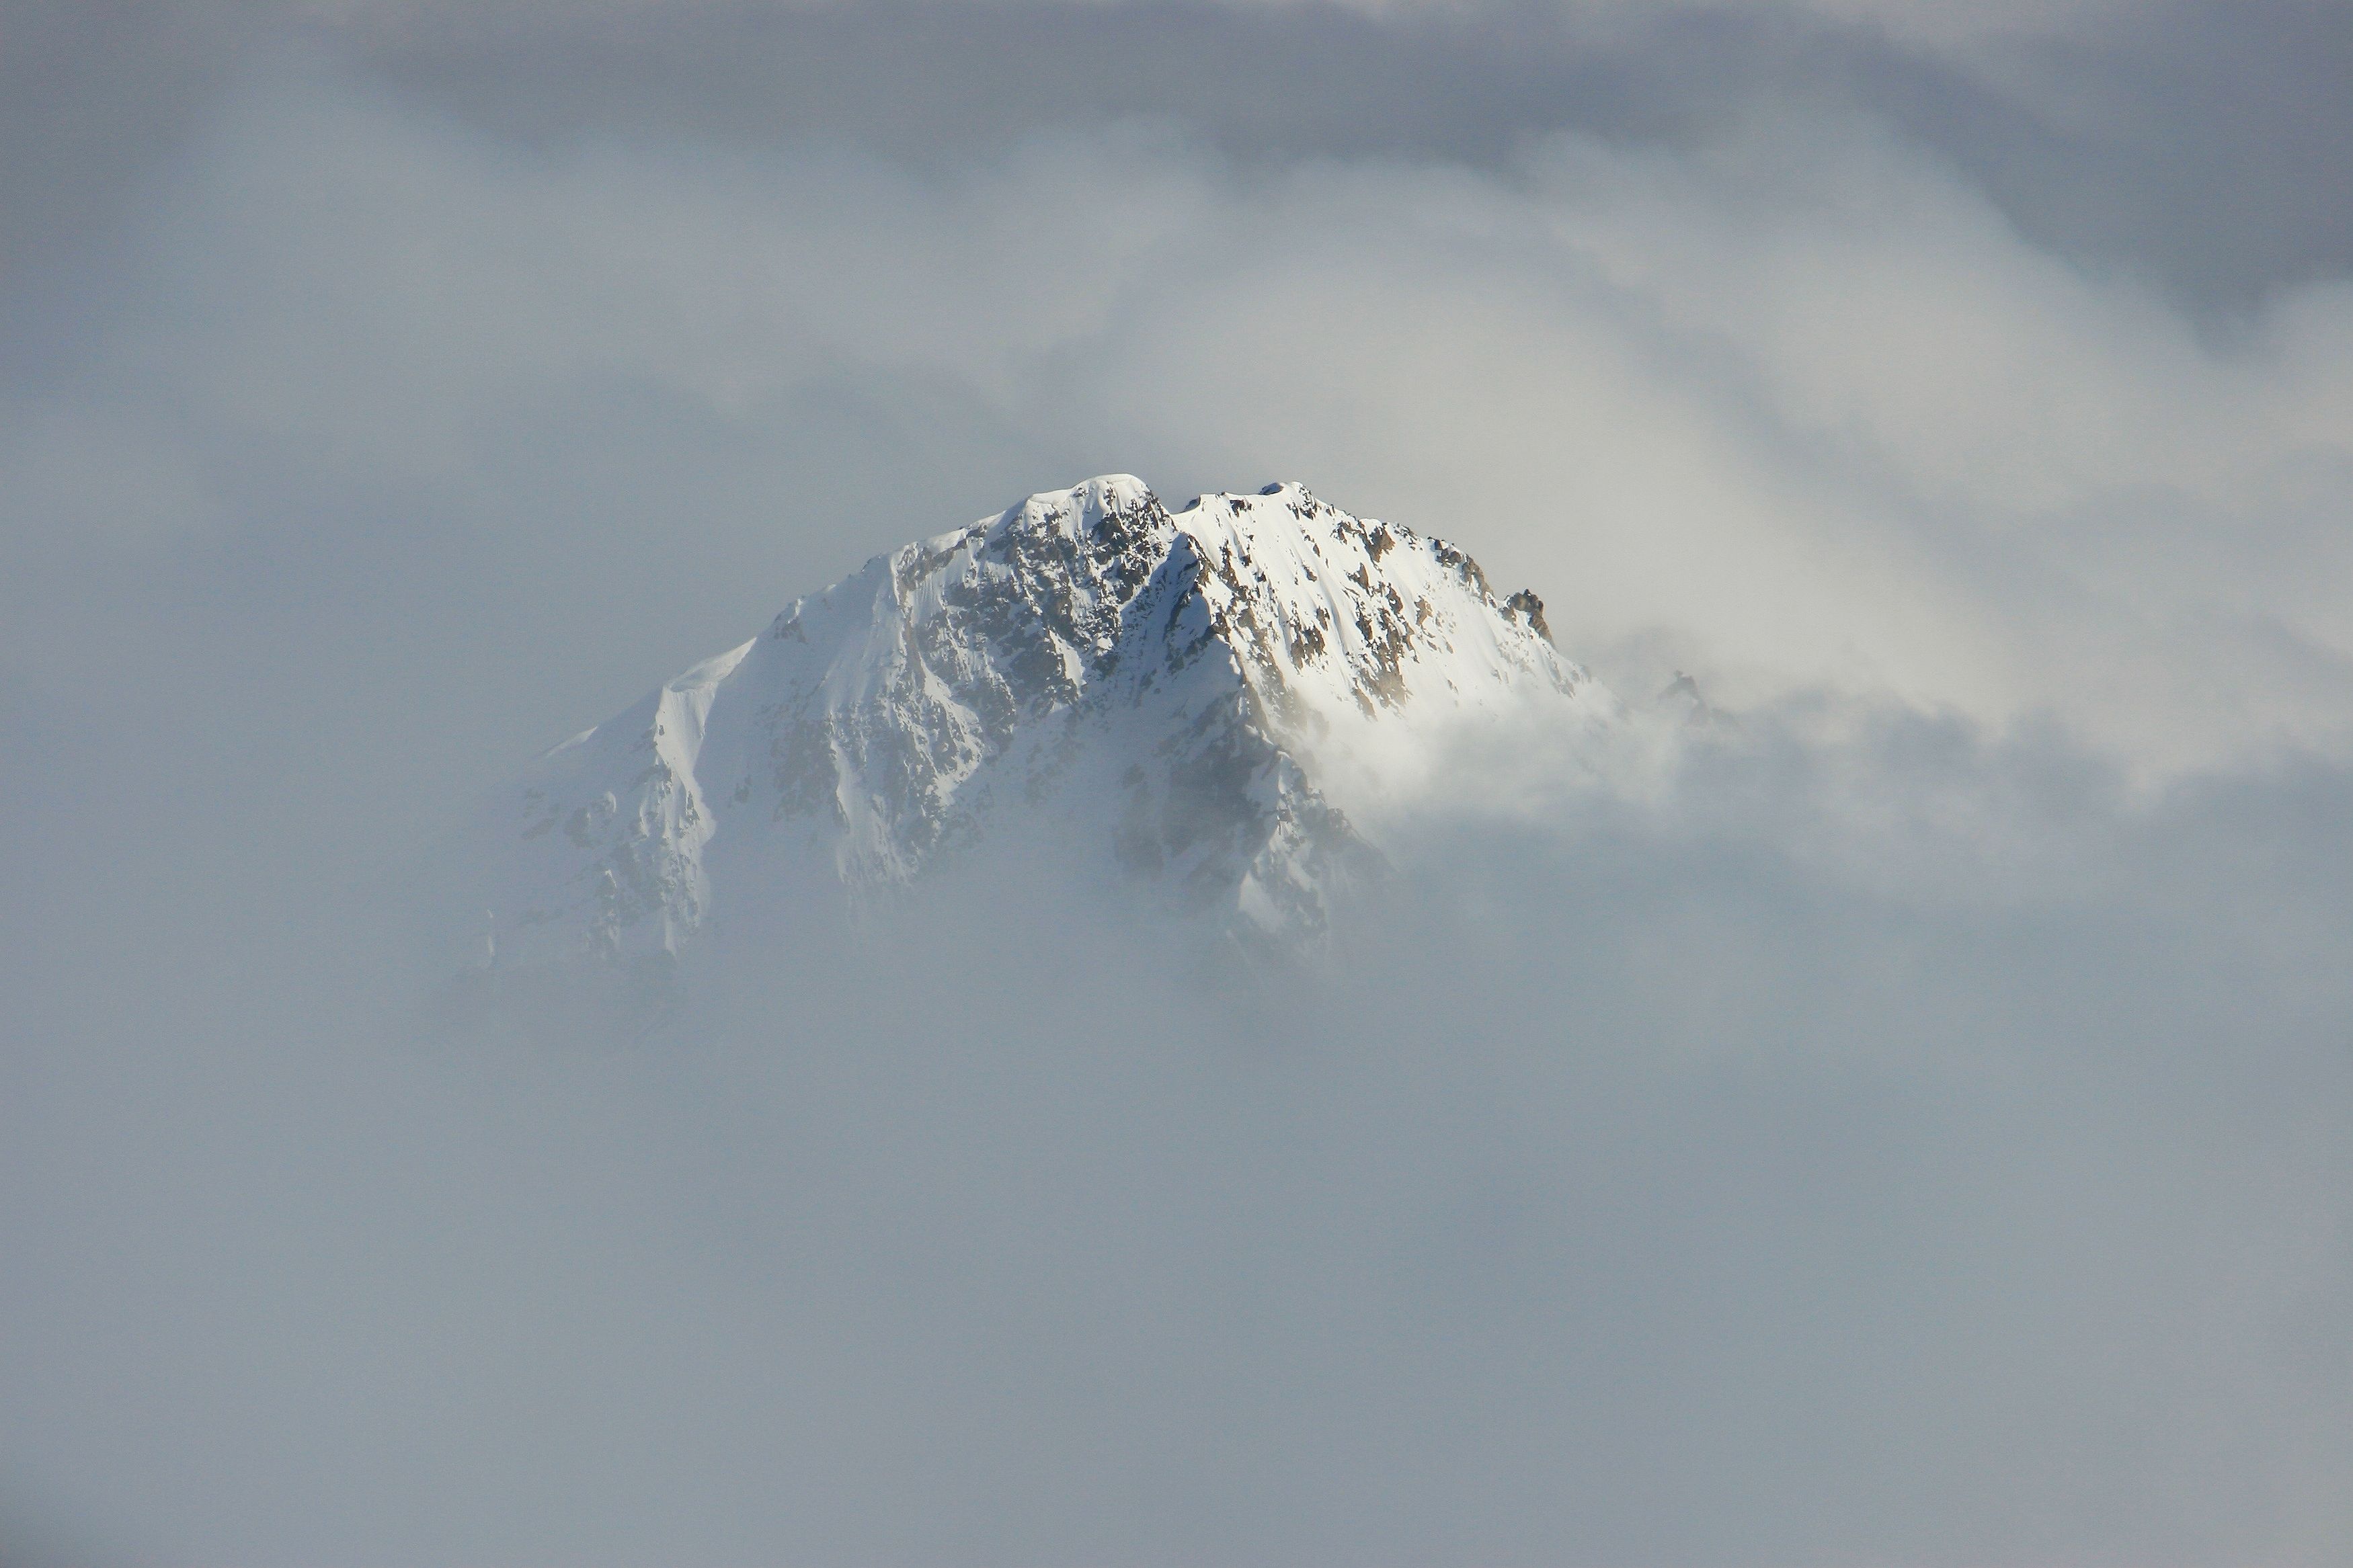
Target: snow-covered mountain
x,y
1188,698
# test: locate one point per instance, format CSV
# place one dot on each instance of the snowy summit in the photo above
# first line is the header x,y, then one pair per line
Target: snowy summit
x,y
1188,696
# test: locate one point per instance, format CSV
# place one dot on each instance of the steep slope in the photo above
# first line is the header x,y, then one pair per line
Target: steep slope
x,y
1176,690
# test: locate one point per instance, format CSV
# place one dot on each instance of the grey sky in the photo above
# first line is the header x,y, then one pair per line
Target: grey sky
x,y
1914,1130
2194,143
2186,142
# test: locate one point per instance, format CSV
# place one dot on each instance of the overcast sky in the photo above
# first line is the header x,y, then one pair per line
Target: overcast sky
x,y
1918,1130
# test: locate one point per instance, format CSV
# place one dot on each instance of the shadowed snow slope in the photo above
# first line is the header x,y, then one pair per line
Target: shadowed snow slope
x,y
1192,699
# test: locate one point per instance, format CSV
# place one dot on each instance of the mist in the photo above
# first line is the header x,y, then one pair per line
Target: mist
x,y
1909,1122
1707,1181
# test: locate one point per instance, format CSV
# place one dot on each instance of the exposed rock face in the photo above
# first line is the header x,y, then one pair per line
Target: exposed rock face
x,y
1167,685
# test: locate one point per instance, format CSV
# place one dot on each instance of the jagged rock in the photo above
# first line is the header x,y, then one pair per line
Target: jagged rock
x,y
1529,608
1681,697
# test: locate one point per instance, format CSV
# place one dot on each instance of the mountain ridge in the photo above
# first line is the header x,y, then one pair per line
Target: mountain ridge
x,y
1185,689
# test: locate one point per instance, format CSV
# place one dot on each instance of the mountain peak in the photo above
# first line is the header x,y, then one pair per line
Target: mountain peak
x,y
1182,689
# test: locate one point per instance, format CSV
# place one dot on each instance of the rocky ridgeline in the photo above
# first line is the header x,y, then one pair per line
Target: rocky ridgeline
x,y
1166,687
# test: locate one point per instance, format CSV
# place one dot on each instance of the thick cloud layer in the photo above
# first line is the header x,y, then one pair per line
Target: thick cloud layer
x,y
1910,1125
1902,1153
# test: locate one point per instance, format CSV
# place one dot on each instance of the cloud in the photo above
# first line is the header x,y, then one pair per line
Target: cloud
x,y
1909,1127
1750,1175
2176,140
1799,401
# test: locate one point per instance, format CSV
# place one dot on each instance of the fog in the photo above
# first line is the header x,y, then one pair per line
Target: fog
x,y
1910,1123
1734,1178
